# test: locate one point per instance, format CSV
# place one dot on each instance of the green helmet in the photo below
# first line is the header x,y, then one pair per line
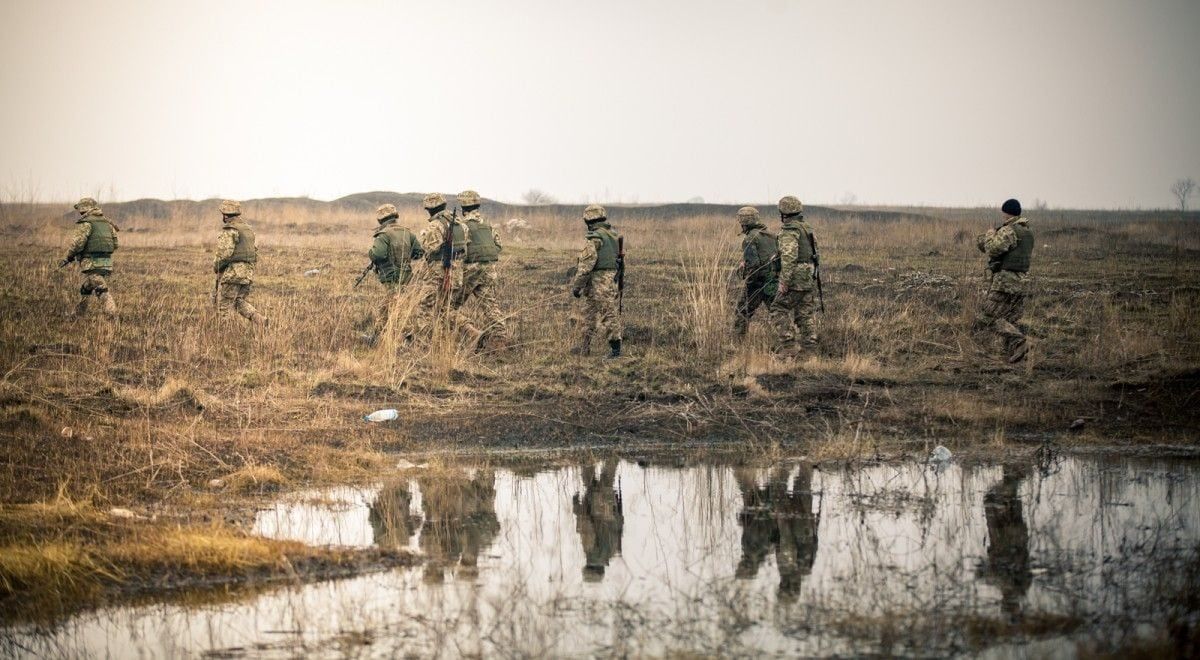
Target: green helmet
x,y
748,215
385,211
433,200
468,198
230,207
790,206
86,205
594,212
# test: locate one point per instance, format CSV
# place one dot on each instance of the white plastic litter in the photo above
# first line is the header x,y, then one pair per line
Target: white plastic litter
x,y
386,415
312,271
940,455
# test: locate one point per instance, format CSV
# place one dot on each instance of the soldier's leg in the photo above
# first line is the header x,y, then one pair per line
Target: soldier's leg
x,y
490,303
804,314
227,294
470,284
244,307
609,317
99,286
586,318
751,298
783,321
87,289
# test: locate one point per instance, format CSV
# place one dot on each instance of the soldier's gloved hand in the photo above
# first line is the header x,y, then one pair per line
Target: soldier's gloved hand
x,y
577,292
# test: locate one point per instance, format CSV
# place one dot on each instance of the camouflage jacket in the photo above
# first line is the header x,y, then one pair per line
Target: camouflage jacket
x,y
995,243
585,263
233,273
434,235
796,269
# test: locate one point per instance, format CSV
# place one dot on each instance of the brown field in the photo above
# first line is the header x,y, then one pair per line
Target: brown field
x,y
145,411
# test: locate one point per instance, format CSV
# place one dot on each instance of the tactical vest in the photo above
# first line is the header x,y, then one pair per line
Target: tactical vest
x,y
1017,259
481,247
398,267
766,246
100,243
606,253
244,251
804,248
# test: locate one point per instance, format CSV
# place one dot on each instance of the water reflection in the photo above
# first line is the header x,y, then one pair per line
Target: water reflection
x,y
1007,564
778,517
614,558
598,518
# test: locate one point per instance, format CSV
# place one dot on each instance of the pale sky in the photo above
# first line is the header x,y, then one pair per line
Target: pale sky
x,y
1082,103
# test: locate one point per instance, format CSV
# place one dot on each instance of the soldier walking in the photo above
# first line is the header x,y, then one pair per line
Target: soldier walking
x,y
440,286
759,268
596,281
234,264
795,304
479,269
92,245
1009,249
392,252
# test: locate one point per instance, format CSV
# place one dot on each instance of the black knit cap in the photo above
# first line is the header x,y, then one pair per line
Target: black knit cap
x,y
1011,207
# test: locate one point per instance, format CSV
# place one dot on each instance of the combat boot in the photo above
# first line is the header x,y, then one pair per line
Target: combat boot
x,y
614,349
1019,351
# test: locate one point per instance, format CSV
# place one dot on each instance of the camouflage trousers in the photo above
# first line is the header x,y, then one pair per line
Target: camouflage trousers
x,y
792,314
480,281
437,303
600,308
1000,313
754,294
231,296
399,297
94,284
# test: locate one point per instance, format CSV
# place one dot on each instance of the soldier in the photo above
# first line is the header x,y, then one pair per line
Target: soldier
x,y
759,267
479,268
1009,249
599,518
234,264
92,245
596,278
795,303
440,287
391,255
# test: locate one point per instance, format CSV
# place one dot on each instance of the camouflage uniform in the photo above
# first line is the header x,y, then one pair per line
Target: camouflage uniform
x,y
595,280
234,260
1009,248
795,304
758,268
435,298
479,268
92,245
599,519
392,254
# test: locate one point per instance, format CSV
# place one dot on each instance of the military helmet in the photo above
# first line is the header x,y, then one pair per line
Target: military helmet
x,y
231,207
594,212
86,205
433,200
790,206
468,198
385,211
747,215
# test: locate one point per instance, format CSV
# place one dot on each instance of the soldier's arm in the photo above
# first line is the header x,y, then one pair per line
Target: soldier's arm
x,y
995,244
432,237
496,238
226,243
116,241
749,256
417,251
585,263
380,249
79,238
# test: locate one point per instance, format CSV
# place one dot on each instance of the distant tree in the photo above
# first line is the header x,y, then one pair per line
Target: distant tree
x,y
696,200
1040,204
849,199
535,197
1183,189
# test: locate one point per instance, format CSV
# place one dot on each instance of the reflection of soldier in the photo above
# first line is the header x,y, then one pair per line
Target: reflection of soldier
x,y
773,518
599,519
460,521
1007,564
391,519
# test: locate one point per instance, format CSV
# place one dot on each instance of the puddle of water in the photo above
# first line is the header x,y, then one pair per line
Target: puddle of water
x,y
616,559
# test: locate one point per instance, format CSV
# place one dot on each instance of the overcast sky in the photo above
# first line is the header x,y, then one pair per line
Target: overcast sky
x,y
1078,102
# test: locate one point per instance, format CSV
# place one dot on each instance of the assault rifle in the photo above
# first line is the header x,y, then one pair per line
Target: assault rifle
x,y
816,262
448,253
620,274
362,276
64,262
216,289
